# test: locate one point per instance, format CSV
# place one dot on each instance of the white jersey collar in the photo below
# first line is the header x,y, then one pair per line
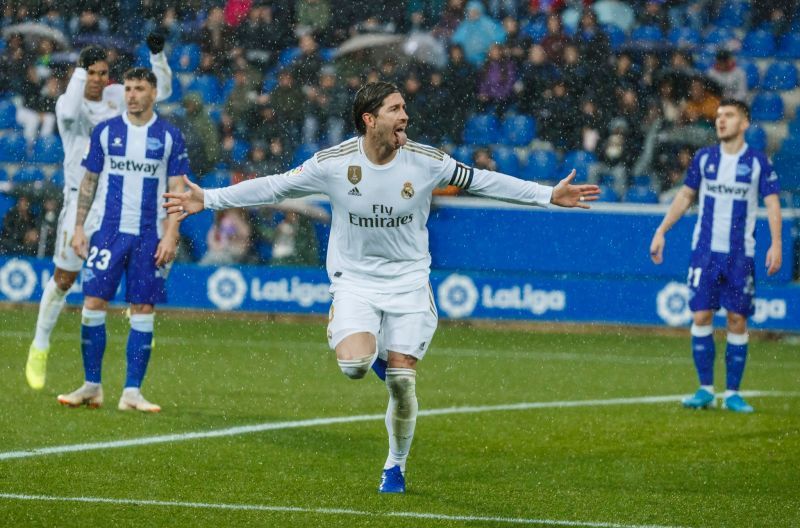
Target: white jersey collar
x,y
128,122
371,165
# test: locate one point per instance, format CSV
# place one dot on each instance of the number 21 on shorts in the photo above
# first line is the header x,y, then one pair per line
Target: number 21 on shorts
x,y
102,262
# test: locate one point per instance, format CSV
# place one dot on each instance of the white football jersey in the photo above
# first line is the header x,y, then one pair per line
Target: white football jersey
x,y
77,116
379,237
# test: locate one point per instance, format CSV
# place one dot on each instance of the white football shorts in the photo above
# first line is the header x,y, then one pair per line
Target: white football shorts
x,y
64,257
402,322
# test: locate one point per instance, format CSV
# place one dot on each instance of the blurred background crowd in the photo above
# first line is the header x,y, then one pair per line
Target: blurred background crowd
x,y
623,91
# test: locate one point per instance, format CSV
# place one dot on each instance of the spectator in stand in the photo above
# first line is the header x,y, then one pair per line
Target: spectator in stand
x,y
20,235
306,67
477,32
48,225
669,104
574,71
415,103
14,65
730,77
617,156
651,67
228,239
556,40
240,102
257,164
536,78
624,75
36,114
53,17
437,125
294,241
423,14
558,117
88,23
496,82
265,124
261,35
541,8
327,108
200,134
591,123
216,37
593,42
459,82
236,11
675,173
289,103
653,15
776,16
482,159
451,17
312,16
701,105
517,44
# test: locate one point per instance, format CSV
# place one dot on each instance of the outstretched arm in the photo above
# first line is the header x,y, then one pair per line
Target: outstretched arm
x,y
775,251
683,200
85,199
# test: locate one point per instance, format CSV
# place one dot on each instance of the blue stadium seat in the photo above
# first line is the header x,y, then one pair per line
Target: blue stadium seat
x,y
789,47
270,81
685,37
607,194
12,148
647,34
29,174
756,137
57,178
208,88
287,56
767,106
8,115
240,151
327,54
6,203
581,161
303,152
753,74
759,44
616,36
219,178
732,14
541,165
482,129
519,130
226,88
641,194
794,125
463,153
719,36
506,159
196,228
185,58
47,149
535,29
3,175
141,56
791,146
787,165
781,75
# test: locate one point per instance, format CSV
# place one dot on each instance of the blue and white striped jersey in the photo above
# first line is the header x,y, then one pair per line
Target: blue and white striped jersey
x,y
134,163
729,187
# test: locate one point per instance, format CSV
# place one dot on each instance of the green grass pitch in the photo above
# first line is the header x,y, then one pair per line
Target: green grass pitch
x,y
619,464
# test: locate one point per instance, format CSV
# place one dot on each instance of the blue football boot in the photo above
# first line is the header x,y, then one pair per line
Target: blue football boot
x,y
736,404
379,366
702,399
392,481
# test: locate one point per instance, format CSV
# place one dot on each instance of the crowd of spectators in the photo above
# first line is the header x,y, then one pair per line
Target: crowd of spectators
x,y
260,85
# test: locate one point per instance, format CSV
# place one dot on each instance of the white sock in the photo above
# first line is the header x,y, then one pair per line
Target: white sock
x,y
401,415
728,393
708,388
49,309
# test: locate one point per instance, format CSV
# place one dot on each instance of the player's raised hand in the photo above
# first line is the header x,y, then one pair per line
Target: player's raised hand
x,y
185,203
155,42
567,195
774,259
657,248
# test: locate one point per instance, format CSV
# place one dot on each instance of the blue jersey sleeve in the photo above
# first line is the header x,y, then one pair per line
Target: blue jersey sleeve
x,y
693,174
95,157
768,183
178,163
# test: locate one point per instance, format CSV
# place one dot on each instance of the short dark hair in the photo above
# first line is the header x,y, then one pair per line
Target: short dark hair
x,y
368,100
141,74
740,105
90,55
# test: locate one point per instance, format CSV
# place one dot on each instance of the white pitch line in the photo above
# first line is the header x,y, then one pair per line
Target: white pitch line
x,y
274,426
327,511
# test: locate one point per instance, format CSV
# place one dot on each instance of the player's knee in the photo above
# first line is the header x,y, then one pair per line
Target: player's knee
x,y
402,386
143,322
64,279
91,317
356,368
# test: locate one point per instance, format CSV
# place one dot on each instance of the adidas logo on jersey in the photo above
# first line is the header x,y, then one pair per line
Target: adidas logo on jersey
x,y
354,192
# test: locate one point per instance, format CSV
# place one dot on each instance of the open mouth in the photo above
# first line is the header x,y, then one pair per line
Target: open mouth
x,y
400,135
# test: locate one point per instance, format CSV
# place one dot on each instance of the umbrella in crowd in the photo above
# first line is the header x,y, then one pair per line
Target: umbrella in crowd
x,y
33,32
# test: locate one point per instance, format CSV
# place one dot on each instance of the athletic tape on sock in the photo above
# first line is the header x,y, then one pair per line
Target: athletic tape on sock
x,y
143,322
702,331
93,317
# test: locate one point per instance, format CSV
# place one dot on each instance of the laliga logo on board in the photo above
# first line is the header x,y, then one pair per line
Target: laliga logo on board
x,y
226,288
457,296
672,304
17,280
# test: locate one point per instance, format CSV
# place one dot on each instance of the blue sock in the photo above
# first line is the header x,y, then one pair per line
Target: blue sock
x,y
93,343
140,342
703,352
735,359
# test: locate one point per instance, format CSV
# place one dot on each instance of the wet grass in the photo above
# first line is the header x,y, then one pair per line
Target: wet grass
x,y
634,465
